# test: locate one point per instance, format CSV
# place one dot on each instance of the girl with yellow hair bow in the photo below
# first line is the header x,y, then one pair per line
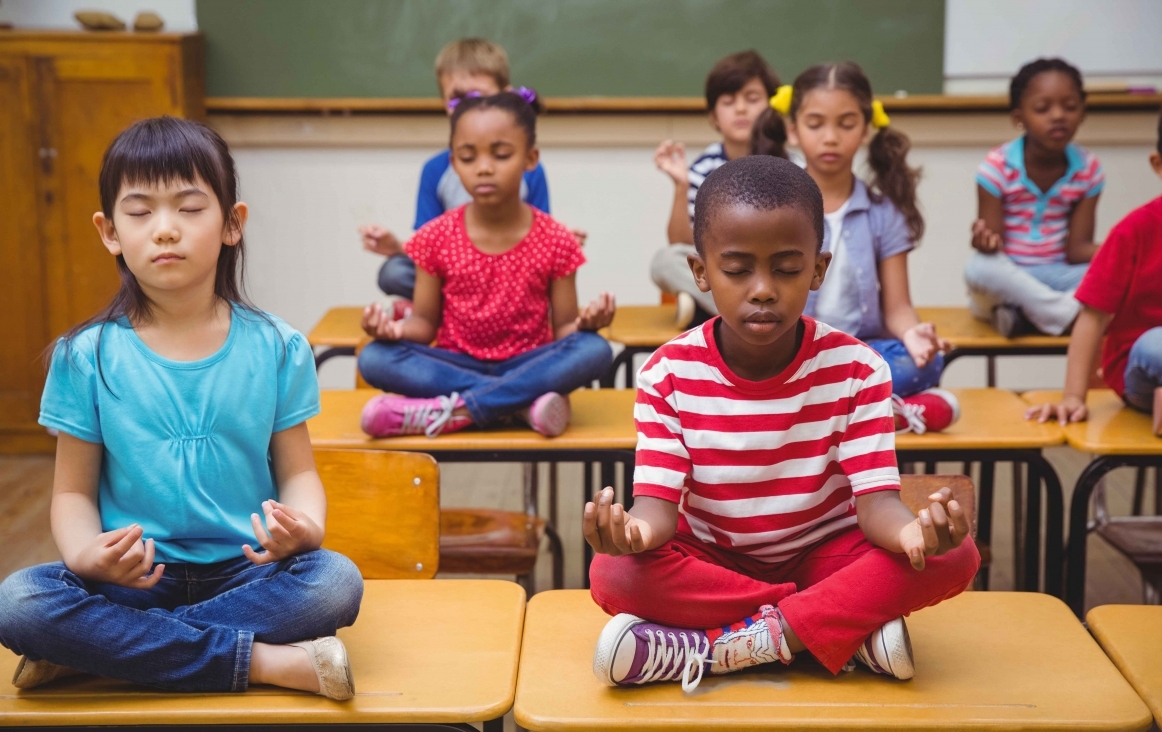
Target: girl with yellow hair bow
x,y
829,112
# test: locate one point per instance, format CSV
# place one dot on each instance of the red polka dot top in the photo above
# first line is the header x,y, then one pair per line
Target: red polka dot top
x,y
496,306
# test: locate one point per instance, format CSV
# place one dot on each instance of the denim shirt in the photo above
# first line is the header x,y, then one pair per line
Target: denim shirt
x,y
873,230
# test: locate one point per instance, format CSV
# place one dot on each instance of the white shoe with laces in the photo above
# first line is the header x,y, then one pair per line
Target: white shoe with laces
x,y
888,651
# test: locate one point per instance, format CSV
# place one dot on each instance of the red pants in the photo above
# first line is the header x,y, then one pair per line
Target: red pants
x,y
834,595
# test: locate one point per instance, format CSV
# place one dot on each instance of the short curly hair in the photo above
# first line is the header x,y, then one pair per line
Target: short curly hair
x,y
761,182
1020,82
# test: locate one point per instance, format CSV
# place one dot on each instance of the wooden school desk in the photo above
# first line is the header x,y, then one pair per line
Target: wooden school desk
x,y
971,337
338,333
600,431
1131,635
1118,437
641,329
439,652
992,428
984,660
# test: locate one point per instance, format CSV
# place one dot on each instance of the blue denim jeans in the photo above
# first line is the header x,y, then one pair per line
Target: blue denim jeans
x,y
192,631
907,377
1144,370
491,390
1060,276
397,276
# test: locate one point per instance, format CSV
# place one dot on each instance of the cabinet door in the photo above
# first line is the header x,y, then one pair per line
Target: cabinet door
x,y
87,96
23,325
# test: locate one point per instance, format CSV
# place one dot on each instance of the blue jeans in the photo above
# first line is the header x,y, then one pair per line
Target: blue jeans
x,y
907,377
491,390
1144,370
397,276
192,631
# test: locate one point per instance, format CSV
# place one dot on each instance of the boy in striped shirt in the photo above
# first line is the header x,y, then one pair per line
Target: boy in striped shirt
x,y
766,491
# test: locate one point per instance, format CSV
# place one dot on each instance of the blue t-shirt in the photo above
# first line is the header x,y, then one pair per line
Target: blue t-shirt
x,y
187,443
441,189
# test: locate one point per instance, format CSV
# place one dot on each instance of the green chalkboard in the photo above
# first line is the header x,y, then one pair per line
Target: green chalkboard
x,y
625,48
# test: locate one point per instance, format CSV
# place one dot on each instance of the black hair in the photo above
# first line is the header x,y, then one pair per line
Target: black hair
x,y
887,153
760,182
523,110
1025,74
163,150
732,73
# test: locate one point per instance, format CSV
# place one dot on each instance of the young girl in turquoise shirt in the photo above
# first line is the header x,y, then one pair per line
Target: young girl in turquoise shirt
x,y
186,505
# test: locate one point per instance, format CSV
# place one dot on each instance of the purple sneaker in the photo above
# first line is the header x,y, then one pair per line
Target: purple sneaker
x,y
633,651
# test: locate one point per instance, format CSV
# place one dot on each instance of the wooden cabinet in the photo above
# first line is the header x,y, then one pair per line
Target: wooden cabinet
x,y
63,98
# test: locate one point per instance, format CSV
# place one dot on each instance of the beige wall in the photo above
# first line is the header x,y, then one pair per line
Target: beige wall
x,y
311,181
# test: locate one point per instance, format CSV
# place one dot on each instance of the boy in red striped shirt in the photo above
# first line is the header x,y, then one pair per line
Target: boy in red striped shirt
x,y
767,504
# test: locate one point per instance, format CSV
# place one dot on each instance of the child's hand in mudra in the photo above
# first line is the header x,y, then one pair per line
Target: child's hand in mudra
x,y
597,314
938,529
923,344
291,532
119,557
609,529
378,324
985,239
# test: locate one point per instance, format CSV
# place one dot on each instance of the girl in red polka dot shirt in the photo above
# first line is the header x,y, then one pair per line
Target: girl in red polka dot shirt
x,y
495,289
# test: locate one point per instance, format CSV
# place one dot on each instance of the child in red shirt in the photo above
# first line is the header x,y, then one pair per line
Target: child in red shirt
x,y
1120,297
496,290
767,519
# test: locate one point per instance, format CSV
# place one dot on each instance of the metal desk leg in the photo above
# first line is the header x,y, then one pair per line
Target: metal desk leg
x,y
494,725
1078,531
1054,525
984,516
1032,528
328,353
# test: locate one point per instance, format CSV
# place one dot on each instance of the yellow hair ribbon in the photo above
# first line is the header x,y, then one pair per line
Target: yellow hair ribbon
x,y
781,102
879,118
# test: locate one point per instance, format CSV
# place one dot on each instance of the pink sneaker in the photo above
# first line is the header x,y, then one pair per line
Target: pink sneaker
x,y
388,415
933,410
549,414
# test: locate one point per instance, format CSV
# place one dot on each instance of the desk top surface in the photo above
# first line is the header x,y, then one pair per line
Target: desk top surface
x,y
602,420
964,331
413,655
1131,635
338,328
983,659
989,419
1112,427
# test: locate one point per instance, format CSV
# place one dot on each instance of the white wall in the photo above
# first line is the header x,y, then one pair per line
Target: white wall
x,y
307,203
179,15
986,41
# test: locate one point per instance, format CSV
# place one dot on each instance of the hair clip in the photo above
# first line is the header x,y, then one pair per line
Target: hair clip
x,y
454,101
880,118
781,102
527,94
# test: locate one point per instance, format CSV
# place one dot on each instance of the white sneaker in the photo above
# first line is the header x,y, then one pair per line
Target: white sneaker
x,y
685,312
888,651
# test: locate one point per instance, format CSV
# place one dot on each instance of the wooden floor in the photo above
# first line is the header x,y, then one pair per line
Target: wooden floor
x,y
26,483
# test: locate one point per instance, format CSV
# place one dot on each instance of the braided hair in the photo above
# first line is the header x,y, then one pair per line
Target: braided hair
x,y
524,106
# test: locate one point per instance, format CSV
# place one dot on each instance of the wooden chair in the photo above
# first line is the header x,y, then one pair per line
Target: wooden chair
x,y
383,511
489,541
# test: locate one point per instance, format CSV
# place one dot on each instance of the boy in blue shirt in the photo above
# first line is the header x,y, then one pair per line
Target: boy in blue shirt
x,y
467,67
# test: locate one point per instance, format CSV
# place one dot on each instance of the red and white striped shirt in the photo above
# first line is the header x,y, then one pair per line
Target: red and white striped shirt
x,y
766,468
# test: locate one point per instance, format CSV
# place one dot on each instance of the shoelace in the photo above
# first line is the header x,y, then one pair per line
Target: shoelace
x,y
431,416
664,659
913,414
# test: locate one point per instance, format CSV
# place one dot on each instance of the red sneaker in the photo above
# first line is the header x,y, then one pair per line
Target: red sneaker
x,y
929,411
